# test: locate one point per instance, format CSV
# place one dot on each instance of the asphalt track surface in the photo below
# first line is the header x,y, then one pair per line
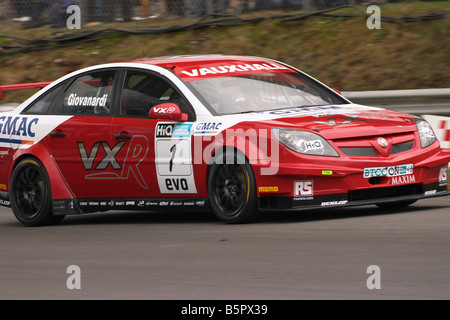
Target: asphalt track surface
x,y
321,254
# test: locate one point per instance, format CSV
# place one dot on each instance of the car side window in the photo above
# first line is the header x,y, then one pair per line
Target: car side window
x,y
142,91
42,105
90,94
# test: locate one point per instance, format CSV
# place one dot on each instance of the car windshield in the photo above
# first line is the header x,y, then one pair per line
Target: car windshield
x,y
261,92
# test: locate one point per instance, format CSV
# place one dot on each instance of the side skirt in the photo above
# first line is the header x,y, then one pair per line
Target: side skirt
x,y
79,206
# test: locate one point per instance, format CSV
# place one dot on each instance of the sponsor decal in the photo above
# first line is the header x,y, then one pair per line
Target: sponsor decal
x,y
164,130
76,101
207,127
313,145
4,202
109,159
327,172
141,203
174,169
268,189
15,129
164,110
303,188
4,153
230,69
301,111
137,203
3,187
137,150
443,176
430,192
182,130
19,126
391,171
333,203
403,179
302,198
176,184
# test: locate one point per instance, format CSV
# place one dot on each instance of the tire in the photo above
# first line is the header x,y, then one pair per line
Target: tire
x,y
30,194
232,190
395,205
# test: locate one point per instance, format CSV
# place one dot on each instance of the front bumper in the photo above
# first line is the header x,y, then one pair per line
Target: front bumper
x,y
270,203
325,182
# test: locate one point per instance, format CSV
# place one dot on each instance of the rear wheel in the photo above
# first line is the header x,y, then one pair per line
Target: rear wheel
x,y
31,195
232,190
395,205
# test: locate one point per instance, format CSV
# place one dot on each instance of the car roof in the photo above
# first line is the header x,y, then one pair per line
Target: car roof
x,y
199,59
195,67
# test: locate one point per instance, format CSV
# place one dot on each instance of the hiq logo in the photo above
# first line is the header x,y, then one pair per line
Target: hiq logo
x,y
164,130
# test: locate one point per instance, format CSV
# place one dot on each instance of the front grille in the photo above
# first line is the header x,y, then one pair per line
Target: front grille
x,y
402,147
368,151
376,193
359,152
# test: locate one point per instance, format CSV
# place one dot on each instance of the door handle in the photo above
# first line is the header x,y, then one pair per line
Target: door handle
x,y
122,136
57,134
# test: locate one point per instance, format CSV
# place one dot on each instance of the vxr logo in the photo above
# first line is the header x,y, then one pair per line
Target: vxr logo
x,y
164,110
339,121
137,150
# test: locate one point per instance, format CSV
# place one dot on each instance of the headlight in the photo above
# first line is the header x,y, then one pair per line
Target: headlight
x,y
304,142
426,133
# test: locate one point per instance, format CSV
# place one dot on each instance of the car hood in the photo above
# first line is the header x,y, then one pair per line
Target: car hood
x,y
347,122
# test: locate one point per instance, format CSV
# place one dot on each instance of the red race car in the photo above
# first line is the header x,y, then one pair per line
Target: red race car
x,y
234,135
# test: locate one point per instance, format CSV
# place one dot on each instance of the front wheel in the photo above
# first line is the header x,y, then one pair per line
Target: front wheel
x,y
31,195
232,190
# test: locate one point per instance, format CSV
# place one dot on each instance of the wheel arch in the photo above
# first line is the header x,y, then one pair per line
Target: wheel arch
x,y
220,152
58,185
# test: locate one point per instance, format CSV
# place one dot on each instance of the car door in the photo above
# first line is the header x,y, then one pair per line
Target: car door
x,y
83,147
157,162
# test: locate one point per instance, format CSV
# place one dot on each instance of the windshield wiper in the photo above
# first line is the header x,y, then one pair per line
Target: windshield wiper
x,y
312,105
249,111
284,108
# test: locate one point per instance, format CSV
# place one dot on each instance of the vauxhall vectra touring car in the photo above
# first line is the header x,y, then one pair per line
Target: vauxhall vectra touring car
x,y
235,135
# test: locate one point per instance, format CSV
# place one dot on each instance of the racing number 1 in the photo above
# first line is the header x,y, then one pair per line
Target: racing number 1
x,y
173,150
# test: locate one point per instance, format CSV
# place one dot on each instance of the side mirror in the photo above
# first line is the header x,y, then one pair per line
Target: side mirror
x,y
168,111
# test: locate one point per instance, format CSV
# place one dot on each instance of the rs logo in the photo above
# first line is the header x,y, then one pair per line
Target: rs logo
x,y
137,150
303,188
